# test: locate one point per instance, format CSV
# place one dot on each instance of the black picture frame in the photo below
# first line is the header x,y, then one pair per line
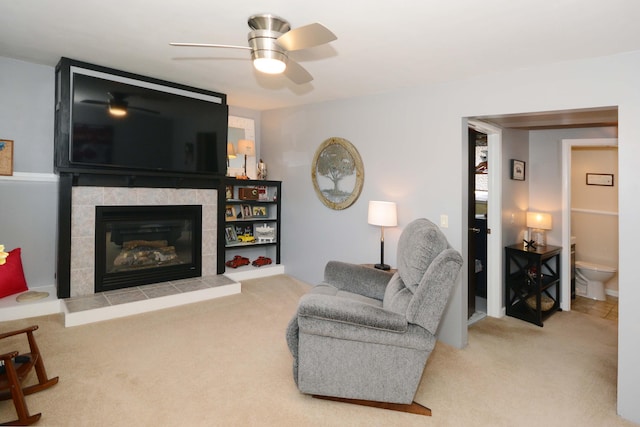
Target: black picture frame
x,y
518,170
601,179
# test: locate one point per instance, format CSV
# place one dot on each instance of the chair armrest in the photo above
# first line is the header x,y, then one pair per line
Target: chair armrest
x,y
355,313
21,331
357,279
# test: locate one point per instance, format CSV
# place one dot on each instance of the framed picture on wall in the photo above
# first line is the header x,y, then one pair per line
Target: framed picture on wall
x,y
6,157
517,170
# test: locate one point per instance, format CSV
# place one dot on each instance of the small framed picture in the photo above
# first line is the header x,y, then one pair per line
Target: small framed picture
x,y
230,212
604,179
230,235
246,211
229,192
517,170
259,211
6,157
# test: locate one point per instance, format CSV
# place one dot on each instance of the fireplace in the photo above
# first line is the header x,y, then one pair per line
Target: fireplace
x,y
138,245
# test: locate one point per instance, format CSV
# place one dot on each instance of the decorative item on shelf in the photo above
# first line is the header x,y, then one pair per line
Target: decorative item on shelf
x,y
383,214
265,234
246,211
231,154
260,261
546,302
263,194
248,148
230,235
259,211
538,222
248,193
247,238
262,170
229,192
237,261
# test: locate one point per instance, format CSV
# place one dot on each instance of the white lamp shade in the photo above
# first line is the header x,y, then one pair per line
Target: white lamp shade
x,y
539,220
231,152
383,213
246,147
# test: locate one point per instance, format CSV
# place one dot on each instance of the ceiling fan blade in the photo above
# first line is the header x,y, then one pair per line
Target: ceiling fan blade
x,y
296,73
91,101
146,110
228,46
306,36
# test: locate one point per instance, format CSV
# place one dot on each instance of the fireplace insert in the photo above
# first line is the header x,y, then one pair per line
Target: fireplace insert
x,y
138,245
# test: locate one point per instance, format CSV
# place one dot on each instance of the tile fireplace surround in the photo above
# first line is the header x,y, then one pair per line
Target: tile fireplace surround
x,y
84,199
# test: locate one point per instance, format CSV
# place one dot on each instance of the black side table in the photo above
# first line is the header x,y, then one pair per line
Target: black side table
x,y
530,276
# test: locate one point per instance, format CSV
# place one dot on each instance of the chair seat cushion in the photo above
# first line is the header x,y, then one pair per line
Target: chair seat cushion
x,y
326,289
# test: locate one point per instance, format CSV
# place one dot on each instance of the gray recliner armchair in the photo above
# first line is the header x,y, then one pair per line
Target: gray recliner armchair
x,y
364,335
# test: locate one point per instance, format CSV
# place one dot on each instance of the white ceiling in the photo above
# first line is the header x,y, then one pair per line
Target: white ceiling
x,y
382,45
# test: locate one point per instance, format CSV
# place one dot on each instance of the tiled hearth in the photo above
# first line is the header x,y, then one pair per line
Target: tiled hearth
x,y
129,301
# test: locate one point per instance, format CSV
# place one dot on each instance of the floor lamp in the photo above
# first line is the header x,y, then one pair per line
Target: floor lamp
x,y
383,214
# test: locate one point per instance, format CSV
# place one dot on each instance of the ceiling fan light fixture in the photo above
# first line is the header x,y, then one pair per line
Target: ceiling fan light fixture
x,y
118,108
269,65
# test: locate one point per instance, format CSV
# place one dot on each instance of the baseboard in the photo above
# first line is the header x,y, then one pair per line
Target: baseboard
x,y
254,272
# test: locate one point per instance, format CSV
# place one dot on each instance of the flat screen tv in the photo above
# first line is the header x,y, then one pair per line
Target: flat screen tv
x,y
109,120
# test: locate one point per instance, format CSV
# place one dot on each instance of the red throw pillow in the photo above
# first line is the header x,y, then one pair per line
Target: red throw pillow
x,y
12,279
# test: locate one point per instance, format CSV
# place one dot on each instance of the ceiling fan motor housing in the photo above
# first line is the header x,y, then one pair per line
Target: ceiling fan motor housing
x,y
263,45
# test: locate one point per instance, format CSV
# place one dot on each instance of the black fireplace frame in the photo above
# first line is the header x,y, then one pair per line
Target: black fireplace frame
x,y
107,281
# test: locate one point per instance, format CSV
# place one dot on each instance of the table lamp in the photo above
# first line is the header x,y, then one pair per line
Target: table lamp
x,y
383,214
538,222
247,148
231,154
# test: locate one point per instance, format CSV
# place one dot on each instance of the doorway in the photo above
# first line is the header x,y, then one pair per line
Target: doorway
x,y
477,221
567,146
490,208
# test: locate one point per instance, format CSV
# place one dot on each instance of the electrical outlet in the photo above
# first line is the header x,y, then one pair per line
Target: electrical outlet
x,y
444,221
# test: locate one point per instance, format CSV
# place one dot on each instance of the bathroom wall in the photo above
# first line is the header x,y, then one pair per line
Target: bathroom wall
x,y
596,230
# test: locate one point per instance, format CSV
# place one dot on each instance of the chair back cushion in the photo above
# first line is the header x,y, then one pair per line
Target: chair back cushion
x,y
427,271
420,243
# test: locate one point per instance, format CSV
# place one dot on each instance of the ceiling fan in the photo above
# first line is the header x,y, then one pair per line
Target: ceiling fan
x,y
118,104
271,39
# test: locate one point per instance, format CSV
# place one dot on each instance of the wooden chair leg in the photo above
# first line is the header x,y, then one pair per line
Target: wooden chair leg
x,y
43,380
411,408
18,398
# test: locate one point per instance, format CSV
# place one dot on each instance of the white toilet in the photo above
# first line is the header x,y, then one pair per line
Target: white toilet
x,y
590,279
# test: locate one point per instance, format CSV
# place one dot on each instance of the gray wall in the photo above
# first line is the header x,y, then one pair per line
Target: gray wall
x,y
28,201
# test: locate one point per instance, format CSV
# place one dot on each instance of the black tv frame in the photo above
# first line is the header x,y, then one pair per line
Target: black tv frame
x,y
63,107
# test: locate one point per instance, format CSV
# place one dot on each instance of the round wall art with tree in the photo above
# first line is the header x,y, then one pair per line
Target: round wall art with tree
x,y
337,173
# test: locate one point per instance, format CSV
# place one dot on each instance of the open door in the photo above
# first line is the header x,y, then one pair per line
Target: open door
x,y
477,221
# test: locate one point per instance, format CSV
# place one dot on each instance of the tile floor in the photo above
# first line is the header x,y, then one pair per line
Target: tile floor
x,y
138,293
605,309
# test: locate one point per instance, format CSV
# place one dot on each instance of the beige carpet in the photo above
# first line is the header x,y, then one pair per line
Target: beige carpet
x,y
225,362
